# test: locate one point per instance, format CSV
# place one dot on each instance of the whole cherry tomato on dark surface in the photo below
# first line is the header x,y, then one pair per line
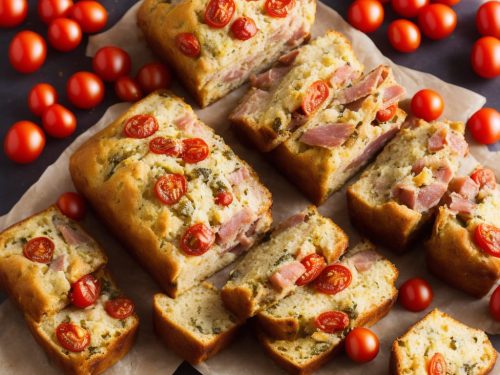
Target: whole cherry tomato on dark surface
x,y
64,34
91,16
128,90
362,345
366,15
85,90
27,51
13,12
111,63
415,294
409,8
495,304
40,97
488,19
49,10
404,35
427,104
24,142
154,76
58,121
72,205
484,125
437,21
486,57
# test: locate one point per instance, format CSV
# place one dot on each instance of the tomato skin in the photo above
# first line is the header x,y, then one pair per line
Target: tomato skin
x,y
387,114
404,35
127,89
72,205
437,365
224,198
91,16
154,76
40,97
27,52
486,57
488,19
111,63
427,104
484,125
494,304
85,90
39,249
484,177
85,291
333,279
49,10
169,189
197,240
487,238
244,28
415,294
194,150
437,21
140,126
361,345
314,264
72,337
331,321
24,142
219,12
409,8
448,2
315,95
13,12
366,15
166,146
119,308
58,121
278,8
188,44
64,34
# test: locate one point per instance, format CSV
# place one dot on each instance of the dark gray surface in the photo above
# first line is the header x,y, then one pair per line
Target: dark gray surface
x,y
448,59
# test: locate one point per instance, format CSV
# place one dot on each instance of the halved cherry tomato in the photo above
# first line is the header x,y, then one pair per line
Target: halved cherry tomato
x,y
194,150
333,279
119,308
13,12
409,8
484,177
49,10
72,205
386,114
85,291
91,16
278,8
85,90
153,76
24,142
64,34
437,21
165,146
188,44
39,249
361,345
219,12
27,51
140,126
314,264
72,337
58,121
197,240
315,95
366,15
111,63
224,198
437,365
486,57
415,294
487,237
404,35
488,19
41,96
427,104
170,188
244,28
331,321
495,304
484,126
128,90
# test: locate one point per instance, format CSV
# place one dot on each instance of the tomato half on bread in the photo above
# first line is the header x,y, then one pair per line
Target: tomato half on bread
x,y
188,44
39,249
387,114
85,291
484,177
315,95
334,279
197,240
171,188
331,321
194,150
219,12
437,365
314,264
72,337
119,308
278,8
140,126
166,146
487,237
224,198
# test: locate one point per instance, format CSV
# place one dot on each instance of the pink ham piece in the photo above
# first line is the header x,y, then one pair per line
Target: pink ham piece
x,y
364,260
457,143
405,194
73,237
238,176
392,95
232,228
464,186
327,136
59,263
366,86
270,78
287,275
342,75
297,36
290,222
251,103
437,141
443,137
429,196
459,204
441,169
289,58
298,119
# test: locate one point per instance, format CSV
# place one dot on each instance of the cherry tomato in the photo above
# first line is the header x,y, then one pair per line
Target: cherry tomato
x,y
495,304
154,76
119,308
484,126
409,8
333,279
24,142
224,198
27,51
197,240
486,57
188,44
484,177
415,294
72,205
404,35
49,10
278,8
314,264
361,345
219,12
366,15
331,321
488,19
91,16
64,34
41,96
85,90
437,365
487,237
427,104
85,291
448,2
437,21
39,249
194,150
128,90
72,337
140,126
315,95
171,188
13,12
166,146
111,63
58,121
387,114
244,28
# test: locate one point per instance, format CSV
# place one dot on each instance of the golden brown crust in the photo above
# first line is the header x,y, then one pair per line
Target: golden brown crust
x,y
239,301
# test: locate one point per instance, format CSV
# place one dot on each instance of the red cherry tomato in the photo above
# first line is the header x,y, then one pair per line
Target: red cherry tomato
x,y
64,34
128,90
85,291
409,8
111,63
366,15
72,205
361,345
154,76
72,337
13,12
488,19
486,57
244,28
119,308
333,279
495,304
387,114
41,96
49,10
484,126
427,104
24,142
39,249
484,177
58,121
487,237
171,188
188,44
448,2
437,365
278,8
224,198
314,264
437,21
197,240
85,90
315,95
166,146
194,150
27,51
415,294
91,16
404,35
140,126
219,12
331,321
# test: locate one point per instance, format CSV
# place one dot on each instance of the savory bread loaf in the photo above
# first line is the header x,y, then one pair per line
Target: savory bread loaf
x,y
269,272
41,256
398,194
462,250
303,83
195,325
215,45
438,340
172,191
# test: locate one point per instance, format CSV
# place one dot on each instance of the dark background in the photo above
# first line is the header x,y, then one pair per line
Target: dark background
x,y
448,59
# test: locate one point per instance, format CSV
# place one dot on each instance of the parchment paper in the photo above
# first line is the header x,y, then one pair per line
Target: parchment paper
x,y
244,357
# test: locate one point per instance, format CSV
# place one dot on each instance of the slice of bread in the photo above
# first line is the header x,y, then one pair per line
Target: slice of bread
x,y
465,350
42,288
250,288
195,325
110,338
